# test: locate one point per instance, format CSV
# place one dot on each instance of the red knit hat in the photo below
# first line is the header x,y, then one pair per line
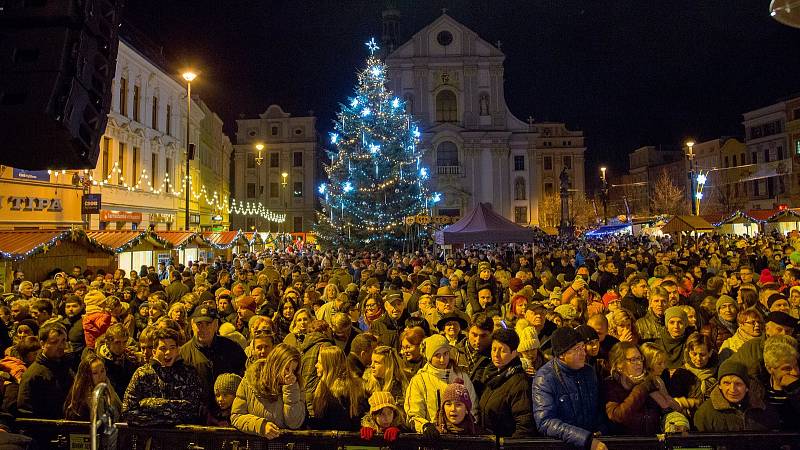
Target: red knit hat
x,y
766,277
609,297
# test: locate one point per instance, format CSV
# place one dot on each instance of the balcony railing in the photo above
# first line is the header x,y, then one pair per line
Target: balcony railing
x,y
448,170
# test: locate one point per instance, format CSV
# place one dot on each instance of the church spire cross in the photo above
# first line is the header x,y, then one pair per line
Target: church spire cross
x,y
498,44
444,11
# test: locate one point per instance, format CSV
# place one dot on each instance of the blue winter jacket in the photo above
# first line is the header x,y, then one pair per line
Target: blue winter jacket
x,y
566,403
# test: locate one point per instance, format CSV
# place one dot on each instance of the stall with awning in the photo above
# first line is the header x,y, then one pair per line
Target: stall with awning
x,y
738,223
185,246
783,220
255,242
133,248
680,225
483,226
221,243
38,252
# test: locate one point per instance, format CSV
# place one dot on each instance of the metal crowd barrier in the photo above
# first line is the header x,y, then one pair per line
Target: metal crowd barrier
x,y
74,435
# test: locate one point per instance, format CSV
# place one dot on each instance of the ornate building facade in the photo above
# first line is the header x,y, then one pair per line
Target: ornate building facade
x,y
452,82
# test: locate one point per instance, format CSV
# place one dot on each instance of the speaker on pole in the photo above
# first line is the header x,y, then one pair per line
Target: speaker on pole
x,y
57,64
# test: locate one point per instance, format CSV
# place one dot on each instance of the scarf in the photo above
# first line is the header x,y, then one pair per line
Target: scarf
x,y
370,317
730,326
704,375
673,348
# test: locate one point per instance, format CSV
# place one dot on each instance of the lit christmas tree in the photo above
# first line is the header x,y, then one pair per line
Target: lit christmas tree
x,y
376,178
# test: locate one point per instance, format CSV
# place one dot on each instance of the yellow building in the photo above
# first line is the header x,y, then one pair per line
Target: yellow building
x,y
37,199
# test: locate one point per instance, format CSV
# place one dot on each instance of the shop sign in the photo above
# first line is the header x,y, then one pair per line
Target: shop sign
x,y
120,216
164,258
32,204
33,175
90,204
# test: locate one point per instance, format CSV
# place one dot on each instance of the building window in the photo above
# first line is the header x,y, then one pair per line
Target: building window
x,y
548,188
123,96
154,170
547,161
755,158
169,120
797,147
251,190
274,190
106,157
251,161
298,224
734,161
297,159
167,175
755,188
780,152
121,163
297,190
136,101
519,163
274,131
521,214
155,113
447,154
274,159
766,155
519,189
726,162
568,162
135,166
446,107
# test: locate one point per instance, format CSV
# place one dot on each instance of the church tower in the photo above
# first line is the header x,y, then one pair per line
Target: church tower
x,y
391,23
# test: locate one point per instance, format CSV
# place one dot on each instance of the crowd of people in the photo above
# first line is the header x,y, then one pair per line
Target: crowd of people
x,y
574,340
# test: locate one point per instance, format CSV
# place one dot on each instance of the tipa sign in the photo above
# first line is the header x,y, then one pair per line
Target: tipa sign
x,y
31,204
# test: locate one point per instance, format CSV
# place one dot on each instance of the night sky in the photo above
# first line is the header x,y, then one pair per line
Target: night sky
x,y
627,73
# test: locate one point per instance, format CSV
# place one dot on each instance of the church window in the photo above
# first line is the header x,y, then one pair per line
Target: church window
x,y
446,107
447,154
519,189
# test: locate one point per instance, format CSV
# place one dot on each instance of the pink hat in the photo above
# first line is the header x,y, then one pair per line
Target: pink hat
x,y
766,277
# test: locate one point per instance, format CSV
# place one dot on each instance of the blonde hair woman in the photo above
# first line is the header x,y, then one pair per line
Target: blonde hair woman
x,y
297,328
339,399
269,398
387,373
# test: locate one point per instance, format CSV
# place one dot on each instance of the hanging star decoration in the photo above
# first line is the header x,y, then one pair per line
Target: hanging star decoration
x,y
372,46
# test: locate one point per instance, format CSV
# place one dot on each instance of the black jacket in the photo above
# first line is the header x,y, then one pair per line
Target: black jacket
x,y
222,356
44,388
505,405
388,330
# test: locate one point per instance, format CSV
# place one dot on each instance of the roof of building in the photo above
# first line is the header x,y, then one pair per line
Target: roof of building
x,y
18,244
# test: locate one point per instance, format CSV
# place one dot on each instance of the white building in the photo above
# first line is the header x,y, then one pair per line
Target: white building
x,y
452,82
290,147
141,165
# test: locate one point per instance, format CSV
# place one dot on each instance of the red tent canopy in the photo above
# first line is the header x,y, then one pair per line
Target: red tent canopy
x,y
483,226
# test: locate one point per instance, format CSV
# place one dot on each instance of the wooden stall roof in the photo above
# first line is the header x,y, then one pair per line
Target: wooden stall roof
x,y
680,224
736,217
222,239
119,241
761,215
253,237
177,238
19,244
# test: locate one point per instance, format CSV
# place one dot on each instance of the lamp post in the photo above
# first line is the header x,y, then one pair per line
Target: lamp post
x,y
259,158
690,155
189,76
604,194
284,182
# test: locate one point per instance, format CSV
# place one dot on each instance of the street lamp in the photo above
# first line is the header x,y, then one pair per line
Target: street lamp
x,y
189,76
259,158
284,182
604,194
692,192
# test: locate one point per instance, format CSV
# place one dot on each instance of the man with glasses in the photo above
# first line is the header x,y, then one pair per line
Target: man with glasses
x,y
566,403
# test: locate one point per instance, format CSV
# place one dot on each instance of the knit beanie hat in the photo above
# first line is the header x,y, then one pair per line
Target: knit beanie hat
x,y
247,302
609,297
724,300
567,311
381,399
484,266
515,284
94,300
433,344
675,422
588,333
730,367
563,339
507,336
528,340
227,383
774,298
676,311
457,392
766,277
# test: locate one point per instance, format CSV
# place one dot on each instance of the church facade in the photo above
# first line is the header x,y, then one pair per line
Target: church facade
x,y
452,82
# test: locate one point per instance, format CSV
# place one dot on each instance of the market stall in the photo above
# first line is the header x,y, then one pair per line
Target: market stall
x,y
738,223
222,243
38,253
679,226
185,246
132,248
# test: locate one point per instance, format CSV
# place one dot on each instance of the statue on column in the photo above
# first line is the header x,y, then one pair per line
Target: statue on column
x,y
565,226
